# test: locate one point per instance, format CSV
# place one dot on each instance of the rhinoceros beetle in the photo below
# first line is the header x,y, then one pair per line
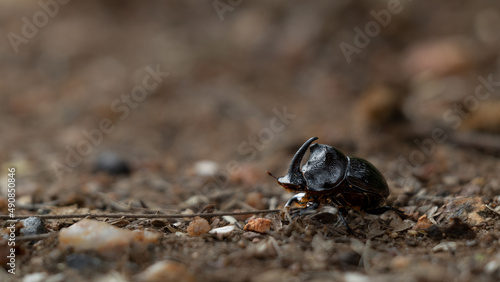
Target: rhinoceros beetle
x,y
332,178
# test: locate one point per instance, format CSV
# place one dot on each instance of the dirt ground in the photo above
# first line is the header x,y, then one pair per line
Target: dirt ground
x,y
183,106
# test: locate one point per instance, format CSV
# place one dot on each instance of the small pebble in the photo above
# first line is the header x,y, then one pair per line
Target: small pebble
x,y
493,265
187,211
445,246
205,168
112,276
242,244
112,164
260,225
198,227
33,225
102,237
35,277
222,232
400,262
146,236
393,235
194,201
356,277
230,219
90,234
450,180
412,232
166,271
471,243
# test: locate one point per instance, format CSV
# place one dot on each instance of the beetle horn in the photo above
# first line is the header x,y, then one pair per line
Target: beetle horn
x,y
294,176
297,159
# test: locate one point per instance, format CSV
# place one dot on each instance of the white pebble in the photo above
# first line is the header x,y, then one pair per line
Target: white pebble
x,y
445,246
35,277
222,231
102,237
206,168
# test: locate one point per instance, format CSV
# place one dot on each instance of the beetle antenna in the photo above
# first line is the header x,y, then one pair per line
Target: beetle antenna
x,y
272,175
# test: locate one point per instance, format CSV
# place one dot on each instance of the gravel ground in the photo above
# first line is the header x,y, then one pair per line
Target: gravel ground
x,y
183,106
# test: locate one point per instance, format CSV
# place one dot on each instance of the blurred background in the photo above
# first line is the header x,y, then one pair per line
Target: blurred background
x,y
183,106
248,82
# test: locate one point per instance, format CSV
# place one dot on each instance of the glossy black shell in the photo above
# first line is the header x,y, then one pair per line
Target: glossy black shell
x,y
364,176
332,178
326,168
329,171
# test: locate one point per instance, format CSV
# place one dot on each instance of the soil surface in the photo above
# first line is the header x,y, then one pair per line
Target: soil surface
x,y
171,107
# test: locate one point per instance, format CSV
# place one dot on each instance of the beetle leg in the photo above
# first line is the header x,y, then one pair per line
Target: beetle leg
x,y
303,200
381,210
342,214
310,207
297,198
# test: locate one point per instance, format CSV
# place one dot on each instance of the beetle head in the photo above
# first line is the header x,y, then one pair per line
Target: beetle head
x,y
294,180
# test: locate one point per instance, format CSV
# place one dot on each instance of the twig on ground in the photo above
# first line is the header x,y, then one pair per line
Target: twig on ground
x,y
35,237
131,215
481,141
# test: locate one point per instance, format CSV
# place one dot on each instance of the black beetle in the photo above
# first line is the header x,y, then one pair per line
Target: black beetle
x,y
332,178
